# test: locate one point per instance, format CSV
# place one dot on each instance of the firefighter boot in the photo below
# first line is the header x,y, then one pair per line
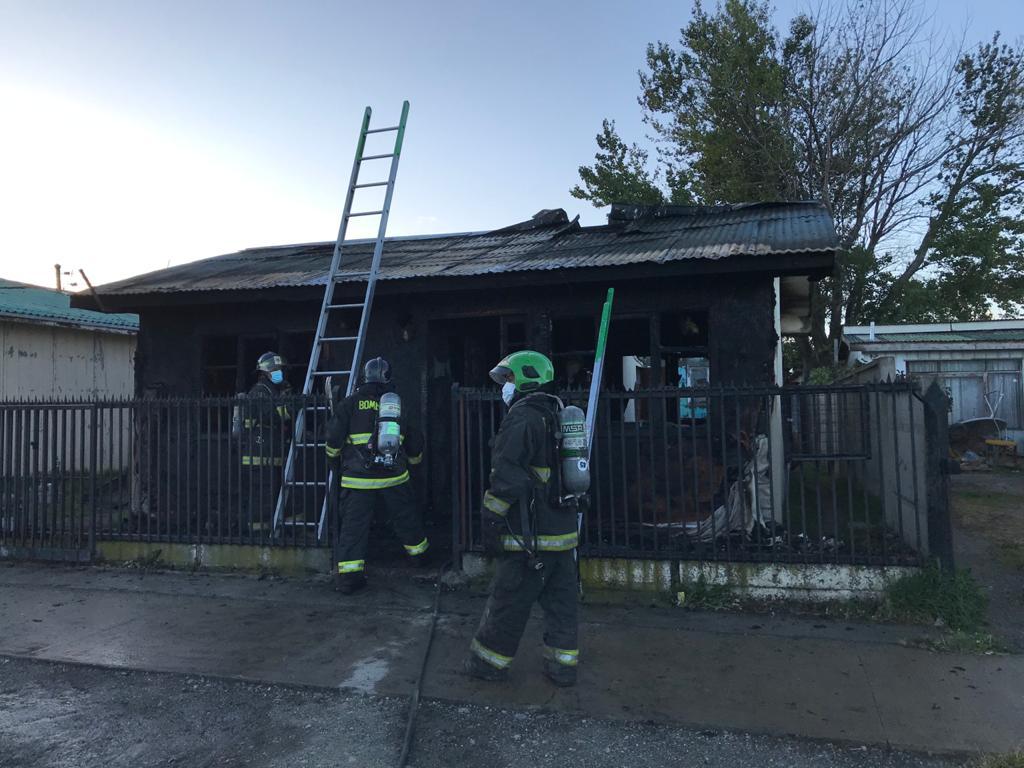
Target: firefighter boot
x,y
347,583
476,667
560,674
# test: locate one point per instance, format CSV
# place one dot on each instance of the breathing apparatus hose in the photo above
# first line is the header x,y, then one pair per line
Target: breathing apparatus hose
x,y
414,699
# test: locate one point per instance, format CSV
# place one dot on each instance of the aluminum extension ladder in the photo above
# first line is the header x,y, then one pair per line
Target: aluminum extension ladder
x,y
353,343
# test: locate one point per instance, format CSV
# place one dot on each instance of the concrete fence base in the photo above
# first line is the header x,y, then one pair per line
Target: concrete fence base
x,y
761,581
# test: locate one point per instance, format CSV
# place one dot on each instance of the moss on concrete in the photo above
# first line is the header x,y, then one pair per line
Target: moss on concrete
x,y
291,561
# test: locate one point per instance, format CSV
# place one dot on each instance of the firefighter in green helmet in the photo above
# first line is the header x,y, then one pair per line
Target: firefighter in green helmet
x,y
527,530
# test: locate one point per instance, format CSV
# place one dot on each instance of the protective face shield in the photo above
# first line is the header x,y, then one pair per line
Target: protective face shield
x,y
277,377
508,391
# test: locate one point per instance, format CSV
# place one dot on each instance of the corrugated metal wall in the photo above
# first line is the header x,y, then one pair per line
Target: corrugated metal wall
x,y
42,361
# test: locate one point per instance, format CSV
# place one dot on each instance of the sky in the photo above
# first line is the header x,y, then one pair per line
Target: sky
x,y
138,135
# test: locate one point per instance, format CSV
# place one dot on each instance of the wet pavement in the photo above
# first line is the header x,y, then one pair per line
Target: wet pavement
x,y
836,681
55,715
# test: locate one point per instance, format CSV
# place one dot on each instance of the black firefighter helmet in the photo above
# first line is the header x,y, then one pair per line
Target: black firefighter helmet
x,y
377,370
270,362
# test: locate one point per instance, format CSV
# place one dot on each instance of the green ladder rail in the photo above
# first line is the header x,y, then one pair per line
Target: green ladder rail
x,y
355,345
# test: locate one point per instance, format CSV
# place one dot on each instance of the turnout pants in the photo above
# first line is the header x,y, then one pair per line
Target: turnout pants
x,y
356,511
259,487
513,592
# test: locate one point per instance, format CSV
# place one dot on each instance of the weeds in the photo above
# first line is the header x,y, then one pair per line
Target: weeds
x,y
1013,760
933,596
700,595
967,642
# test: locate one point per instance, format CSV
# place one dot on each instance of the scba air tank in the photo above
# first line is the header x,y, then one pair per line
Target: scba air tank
x,y
388,437
572,423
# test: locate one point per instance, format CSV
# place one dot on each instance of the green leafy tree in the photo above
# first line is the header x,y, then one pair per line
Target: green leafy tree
x,y
619,174
915,151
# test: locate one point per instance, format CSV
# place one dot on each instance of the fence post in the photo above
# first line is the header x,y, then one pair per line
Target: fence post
x,y
940,526
456,440
93,468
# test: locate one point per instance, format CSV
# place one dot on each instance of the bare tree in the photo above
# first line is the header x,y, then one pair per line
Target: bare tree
x,y
871,98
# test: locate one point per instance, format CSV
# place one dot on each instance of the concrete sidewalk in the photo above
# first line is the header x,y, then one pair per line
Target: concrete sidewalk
x,y
807,678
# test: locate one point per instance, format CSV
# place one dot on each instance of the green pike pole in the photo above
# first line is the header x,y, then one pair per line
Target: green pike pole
x,y
595,393
598,373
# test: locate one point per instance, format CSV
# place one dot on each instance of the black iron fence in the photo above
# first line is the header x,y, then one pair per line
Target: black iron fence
x,y
830,474
811,474
161,470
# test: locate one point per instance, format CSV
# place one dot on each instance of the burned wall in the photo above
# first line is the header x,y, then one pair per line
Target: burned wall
x,y
436,339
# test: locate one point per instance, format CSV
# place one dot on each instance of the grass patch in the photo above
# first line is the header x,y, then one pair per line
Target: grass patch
x,y
1011,554
968,642
932,595
701,596
1013,760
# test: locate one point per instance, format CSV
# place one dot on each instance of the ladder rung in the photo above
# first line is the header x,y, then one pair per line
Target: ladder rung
x,y
375,157
331,373
315,408
366,213
344,306
371,184
298,524
307,482
309,445
338,338
383,130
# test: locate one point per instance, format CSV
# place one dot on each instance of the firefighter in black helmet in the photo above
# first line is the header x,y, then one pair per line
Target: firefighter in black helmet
x,y
264,431
370,447
527,530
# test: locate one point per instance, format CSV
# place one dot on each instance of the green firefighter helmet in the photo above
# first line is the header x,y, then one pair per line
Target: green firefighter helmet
x,y
527,369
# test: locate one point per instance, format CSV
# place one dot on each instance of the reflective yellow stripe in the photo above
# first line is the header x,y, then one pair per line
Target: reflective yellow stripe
x,y
372,483
414,460
282,411
260,461
496,505
542,473
362,438
493,658
417,549
569,658
560,543
250,423
351,566
333,453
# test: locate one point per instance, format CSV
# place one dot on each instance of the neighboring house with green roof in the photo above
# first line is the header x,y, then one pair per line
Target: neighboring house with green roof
x,y
49,350
980,364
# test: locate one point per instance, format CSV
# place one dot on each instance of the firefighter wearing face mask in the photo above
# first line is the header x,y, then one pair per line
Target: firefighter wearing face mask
x,y
371,447
264,431
527,530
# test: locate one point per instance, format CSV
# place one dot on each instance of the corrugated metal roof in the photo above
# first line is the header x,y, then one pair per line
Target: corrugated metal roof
x,y
940,337
34,303
654,235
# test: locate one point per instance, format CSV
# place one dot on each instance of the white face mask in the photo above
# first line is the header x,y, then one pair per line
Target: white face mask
x,y
508,391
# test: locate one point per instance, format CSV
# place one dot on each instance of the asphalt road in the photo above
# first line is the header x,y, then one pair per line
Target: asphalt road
x,y
55,715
